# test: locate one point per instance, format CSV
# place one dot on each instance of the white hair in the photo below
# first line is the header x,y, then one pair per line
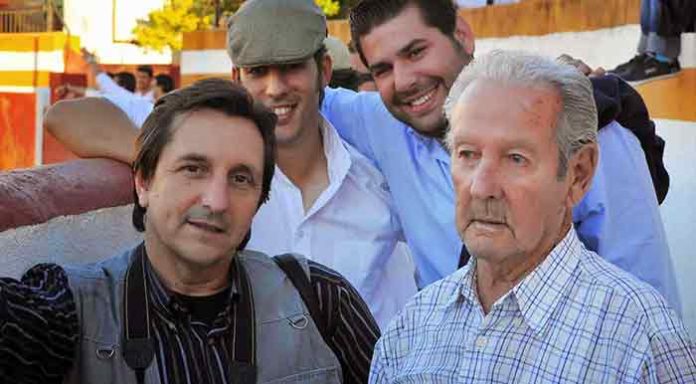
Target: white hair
x,y
577,121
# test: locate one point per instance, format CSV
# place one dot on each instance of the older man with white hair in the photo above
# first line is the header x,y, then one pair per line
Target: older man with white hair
x,y
533,305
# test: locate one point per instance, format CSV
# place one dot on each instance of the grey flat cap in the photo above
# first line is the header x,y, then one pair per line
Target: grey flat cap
x,y
266,32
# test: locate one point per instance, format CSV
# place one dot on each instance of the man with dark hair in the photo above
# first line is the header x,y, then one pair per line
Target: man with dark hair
x,y
365,81
329,202
163,85
125,80
143,80
415,49
190,297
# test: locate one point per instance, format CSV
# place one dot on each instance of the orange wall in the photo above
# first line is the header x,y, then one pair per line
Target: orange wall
x,y
17,133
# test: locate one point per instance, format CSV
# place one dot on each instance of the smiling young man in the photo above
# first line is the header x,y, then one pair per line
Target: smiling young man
x,y
415,49
328,202
189,304
533,305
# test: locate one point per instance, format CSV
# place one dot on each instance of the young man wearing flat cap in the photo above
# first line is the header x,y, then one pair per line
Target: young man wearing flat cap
x,y
328,202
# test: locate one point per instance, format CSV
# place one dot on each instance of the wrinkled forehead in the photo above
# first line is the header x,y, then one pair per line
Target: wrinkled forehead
x,y
485,105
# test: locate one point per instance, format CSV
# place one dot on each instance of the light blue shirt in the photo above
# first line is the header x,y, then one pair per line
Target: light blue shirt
x,y
619,217
574,319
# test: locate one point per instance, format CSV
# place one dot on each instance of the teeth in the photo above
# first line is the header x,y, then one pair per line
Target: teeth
x,y
281,110
423,99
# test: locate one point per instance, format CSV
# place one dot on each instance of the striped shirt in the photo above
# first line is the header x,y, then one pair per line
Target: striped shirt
x,y
574,319
39,329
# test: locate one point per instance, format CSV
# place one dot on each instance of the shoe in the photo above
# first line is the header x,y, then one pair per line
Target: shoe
x,y
649,69
636,60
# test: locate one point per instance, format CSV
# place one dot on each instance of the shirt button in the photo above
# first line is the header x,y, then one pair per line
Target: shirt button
x,y
481,342
300,233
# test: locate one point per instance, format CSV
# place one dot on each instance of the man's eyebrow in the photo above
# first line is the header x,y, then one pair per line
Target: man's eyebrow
x,y
193,157
381,65
408,47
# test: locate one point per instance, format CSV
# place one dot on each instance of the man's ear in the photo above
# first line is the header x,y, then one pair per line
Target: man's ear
x,y
141,189
464,34
236,75
581,170
327,70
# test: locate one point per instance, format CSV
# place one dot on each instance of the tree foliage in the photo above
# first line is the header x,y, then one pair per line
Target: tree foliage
x,y
165,27
330,7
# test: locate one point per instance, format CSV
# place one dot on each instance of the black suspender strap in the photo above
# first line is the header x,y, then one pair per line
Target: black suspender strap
x,y
294,271
244,337
138,347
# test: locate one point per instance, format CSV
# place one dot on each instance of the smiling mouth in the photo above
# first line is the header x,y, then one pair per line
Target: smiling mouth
x,y
283,111
421,103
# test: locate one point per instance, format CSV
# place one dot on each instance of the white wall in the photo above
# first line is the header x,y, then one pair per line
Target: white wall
x,y
84,238
679,210
91,20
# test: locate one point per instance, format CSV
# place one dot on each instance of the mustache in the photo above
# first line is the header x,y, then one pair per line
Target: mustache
x,y
203,214
488,210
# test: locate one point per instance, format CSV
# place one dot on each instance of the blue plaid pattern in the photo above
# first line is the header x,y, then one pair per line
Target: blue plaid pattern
x,y
574,319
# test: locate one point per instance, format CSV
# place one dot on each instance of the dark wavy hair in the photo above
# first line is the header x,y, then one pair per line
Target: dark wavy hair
x,y
216,94
369,14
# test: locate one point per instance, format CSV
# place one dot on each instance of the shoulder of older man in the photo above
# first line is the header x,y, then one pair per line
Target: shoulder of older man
x,y
637,300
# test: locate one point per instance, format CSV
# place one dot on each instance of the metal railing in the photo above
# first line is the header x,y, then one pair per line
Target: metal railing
x,y
26,20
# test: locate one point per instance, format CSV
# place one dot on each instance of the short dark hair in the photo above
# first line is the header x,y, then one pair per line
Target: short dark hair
x,y
145,68
344,78
165,82
319,56
217,94
368,14
125,80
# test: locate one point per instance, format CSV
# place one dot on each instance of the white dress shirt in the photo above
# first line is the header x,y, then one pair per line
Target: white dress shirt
x,y
351,227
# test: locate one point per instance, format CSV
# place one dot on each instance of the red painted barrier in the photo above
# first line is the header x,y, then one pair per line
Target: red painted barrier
x,y
36,195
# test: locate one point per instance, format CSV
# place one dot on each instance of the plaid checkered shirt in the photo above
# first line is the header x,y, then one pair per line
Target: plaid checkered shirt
x,y
574,319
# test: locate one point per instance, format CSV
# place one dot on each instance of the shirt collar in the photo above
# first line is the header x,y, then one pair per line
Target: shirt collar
x,y
540,292
433,146
337,156
166,302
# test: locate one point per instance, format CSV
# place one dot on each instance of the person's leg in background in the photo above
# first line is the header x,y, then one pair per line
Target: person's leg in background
x,y
662,22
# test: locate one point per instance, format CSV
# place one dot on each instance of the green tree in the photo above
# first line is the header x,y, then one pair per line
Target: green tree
x,y
165,27
330,7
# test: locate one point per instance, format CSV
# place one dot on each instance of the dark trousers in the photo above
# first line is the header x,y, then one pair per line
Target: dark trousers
x,y
662,22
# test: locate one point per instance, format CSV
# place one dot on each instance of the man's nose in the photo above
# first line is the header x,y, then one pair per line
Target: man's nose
x,y
275,84
485,182
216,194
404,78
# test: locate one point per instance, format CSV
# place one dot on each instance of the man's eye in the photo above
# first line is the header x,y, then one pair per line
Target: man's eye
x,y
380,72
241,179
415,53
517,159
466,154
192,169
257,71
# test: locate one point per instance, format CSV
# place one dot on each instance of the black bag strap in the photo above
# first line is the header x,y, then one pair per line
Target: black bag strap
x,y
244,364
138,347
297,275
